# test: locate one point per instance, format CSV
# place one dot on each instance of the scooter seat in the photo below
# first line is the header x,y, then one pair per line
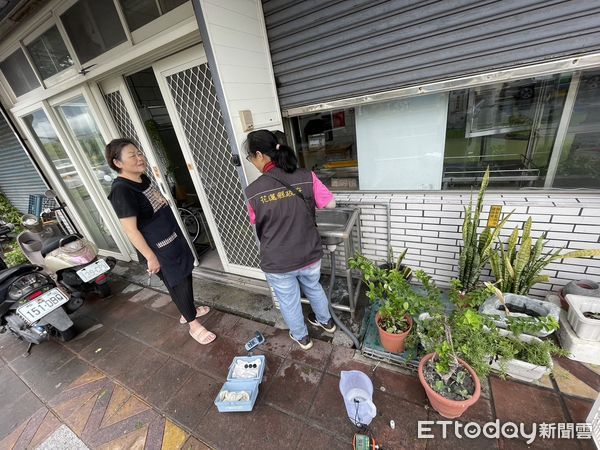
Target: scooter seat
x,y
52,245
16,271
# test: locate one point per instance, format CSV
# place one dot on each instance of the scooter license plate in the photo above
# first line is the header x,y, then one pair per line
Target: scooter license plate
x,y
94,270
35,309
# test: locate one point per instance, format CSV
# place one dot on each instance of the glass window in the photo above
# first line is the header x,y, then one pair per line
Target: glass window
x,y
168,5
83,128
140,12
93,28
326,144
579,163
509,127
19,74
447,140
49,53
48,141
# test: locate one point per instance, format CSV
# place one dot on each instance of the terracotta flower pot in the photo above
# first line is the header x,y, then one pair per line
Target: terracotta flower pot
x,y
447,408
392,342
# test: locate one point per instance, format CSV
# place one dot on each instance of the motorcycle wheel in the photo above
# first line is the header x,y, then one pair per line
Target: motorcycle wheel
x,y
104,290
66,335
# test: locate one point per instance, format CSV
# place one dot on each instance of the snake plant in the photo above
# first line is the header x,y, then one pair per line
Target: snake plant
x,y
476,249
518,269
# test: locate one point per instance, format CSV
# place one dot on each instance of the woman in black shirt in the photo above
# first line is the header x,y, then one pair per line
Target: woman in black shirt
x,y
152,229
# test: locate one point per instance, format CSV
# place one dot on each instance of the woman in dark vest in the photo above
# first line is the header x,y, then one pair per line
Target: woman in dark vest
x,y
152,229
281,203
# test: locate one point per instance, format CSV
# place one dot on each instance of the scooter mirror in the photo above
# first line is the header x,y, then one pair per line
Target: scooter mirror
x,y
50,194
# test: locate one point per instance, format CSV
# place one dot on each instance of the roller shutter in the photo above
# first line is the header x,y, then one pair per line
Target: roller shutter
x,y
325,50
18,177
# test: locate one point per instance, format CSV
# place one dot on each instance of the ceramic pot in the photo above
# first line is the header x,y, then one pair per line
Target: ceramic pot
x,y
447,408
392,342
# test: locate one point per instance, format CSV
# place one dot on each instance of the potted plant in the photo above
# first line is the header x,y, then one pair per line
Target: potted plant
x,y
400,302
521,314
396,263
517,270
476,248
450,383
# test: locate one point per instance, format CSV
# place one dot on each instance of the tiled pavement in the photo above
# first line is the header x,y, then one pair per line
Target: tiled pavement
x,y
135,379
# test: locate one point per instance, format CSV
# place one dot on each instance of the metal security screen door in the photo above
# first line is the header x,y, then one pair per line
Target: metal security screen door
x,y
186,84
121,108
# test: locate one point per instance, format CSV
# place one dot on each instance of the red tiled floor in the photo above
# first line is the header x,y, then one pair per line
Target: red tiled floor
x,y
317,356
277,341
165,382
294,387
264,428
244,330
317,439
405,415
399,385
580,371
517,402
214,358
193,399
578,408
328,408
342,359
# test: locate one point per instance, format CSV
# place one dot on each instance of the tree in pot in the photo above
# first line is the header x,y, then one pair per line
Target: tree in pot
x,y
451,384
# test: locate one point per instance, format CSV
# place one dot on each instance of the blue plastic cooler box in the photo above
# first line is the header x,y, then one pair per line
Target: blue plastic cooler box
x,y
248,359
236,386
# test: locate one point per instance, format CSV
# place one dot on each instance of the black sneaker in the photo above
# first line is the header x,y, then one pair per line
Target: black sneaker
x,y
329,326
305,343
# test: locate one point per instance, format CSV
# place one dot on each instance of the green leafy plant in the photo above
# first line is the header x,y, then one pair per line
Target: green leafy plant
x,y
398,298
9,213
517,267
478,341
473,299
15,257
523,324
475,252
444,372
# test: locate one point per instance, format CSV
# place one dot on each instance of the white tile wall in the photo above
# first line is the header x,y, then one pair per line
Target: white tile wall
x,y
429,226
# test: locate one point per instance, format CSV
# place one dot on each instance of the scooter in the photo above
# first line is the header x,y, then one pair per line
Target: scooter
x,y
72,258
32,307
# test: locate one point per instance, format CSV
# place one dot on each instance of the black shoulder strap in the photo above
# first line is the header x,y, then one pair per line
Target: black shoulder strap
x,y
295,192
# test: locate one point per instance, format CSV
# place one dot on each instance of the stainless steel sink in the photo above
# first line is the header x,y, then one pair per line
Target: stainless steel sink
x,y
335,225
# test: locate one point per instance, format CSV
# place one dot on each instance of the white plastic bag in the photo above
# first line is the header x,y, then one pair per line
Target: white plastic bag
x,y
357,390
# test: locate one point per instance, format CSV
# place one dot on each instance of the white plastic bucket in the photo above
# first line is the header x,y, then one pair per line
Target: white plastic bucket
x,y
357,390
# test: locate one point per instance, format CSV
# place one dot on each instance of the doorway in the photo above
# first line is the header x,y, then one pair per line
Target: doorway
x,y
174,103
159,128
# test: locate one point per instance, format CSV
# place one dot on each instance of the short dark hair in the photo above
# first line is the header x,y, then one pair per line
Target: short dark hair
x,y
113,151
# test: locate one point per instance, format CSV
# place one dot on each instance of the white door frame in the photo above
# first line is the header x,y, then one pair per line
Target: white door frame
x,y
118,84
187,59
80,163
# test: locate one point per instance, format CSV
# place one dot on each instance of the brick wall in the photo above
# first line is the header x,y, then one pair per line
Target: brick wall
x,y
429,226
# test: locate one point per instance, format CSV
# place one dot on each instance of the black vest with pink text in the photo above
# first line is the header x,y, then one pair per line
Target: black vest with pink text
x,y
286,228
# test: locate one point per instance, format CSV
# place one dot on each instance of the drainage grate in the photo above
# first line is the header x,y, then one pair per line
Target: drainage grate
x,y
196,102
